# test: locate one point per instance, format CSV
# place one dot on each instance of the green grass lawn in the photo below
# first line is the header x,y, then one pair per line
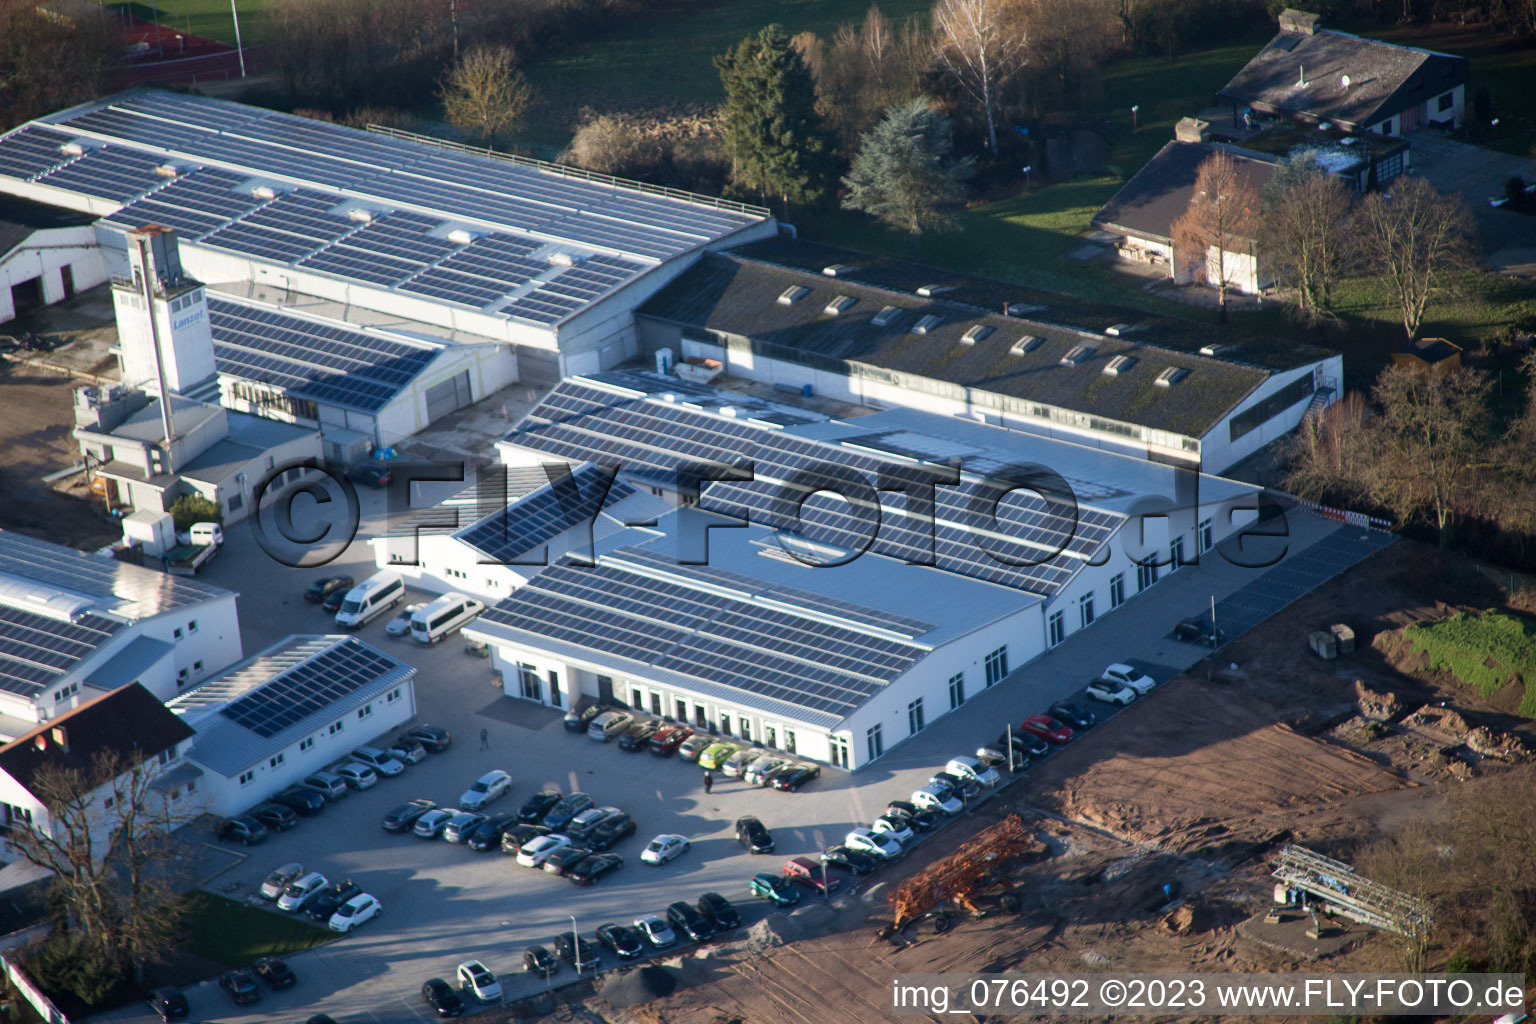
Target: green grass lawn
x,y
236,934
211,19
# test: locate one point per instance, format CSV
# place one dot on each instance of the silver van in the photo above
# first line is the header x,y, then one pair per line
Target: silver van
x,y
608,725
327,784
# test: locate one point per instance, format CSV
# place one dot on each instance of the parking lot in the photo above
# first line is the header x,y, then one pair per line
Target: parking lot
x,y
445,903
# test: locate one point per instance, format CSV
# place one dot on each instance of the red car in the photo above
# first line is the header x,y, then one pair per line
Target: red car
x,y
1047,728
668,738
809,874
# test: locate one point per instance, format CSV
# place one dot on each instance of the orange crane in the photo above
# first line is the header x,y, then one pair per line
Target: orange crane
x,y
961,877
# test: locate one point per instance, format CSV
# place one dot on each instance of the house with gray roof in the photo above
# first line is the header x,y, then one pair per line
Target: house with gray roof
x,y
296,708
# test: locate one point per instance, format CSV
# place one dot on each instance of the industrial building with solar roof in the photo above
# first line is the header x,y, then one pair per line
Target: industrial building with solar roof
x,y
360,282
74,626
868,575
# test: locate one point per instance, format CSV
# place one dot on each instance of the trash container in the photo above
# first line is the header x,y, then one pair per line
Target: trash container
x,y
1344,638
1324,644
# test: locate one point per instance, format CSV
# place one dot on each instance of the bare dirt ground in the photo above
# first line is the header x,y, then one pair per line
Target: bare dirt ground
x,y
1196,789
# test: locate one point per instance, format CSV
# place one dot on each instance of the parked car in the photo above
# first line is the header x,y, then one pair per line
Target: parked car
x,y
382,762
577,719
969,768
593,869
719,911
638,736
624,941
240,986
305,801
1047,728
247,831
685,918
913,815
753,835
849,859
325,586
735,766
357,775
937,798
1110,692
581,826
892,825
715,755
668,738
1197,631
400,625
332,896
328,784
656,930
663,848
408,752
371,474
869,841
403,817
457,828
561,861
691,747
278,880
358,910
963,788
276,816
776,889
1025,743
577,952
608,725
611,831
537,805
519,835
331,603
301,891
535,852
488,787
434,737
487,835
791,777
169,1003
538,960
1076,715
430,825
445,1002
477,979
275,972
762,766
560,815
811,874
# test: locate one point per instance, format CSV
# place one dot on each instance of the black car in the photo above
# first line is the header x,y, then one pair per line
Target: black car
x,y
243,830
1074,714
580,954
538,805
610,831
582,825
638,736
325,586
1198,631
242,988
168,1003
442,998
685,918
372,474
964,788
331,603
434,737
275,973
578,720
487,835
332,896
513,838
792,777
560,815
591,870
276,816
857,861
306,801
909,814
562,861
403,817
754,835
538,960
1027,744
720,912
624,941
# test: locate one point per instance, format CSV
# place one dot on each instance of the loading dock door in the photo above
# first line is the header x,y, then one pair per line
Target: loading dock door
x,y
450,395
27,295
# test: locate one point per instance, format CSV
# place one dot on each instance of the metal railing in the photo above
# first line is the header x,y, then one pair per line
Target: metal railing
x,y
574,172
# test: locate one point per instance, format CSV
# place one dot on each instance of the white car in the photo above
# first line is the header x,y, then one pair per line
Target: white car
x,y
736,765
897,830
400,625
360,909
278,880
932,798
1123,673
664,848
485,789
1110,691
973,769
868,841
757,771
536,851
358,775
477,979
301,890
656,930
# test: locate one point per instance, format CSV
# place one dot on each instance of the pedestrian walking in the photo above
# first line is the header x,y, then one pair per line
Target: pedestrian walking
x,y
709,782
485,739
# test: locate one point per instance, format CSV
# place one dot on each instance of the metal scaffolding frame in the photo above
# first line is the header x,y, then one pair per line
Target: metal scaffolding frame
x,y
1336,884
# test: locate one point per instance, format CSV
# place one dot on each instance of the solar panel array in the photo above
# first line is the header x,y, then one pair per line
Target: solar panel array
x,y
32,150
532,521
309,359
130,590
194,203
117,173
308,687
36,649
768,653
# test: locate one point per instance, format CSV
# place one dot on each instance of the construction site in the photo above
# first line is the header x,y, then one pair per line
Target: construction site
x,y
1223,826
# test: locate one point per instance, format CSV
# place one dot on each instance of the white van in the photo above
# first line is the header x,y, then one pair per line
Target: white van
x,y
443,616
370,599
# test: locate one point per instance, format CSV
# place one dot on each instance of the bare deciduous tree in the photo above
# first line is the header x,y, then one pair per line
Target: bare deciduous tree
x,y
1219,223
1303,235
982,46
1413,865
485,93
1415,238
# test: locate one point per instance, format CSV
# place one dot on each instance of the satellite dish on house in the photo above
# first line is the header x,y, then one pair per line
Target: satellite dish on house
x,y
1344,81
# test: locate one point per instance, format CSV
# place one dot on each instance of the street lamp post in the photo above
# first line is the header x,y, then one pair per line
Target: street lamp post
x,y
1135,127
1026,169
239,49
576,945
